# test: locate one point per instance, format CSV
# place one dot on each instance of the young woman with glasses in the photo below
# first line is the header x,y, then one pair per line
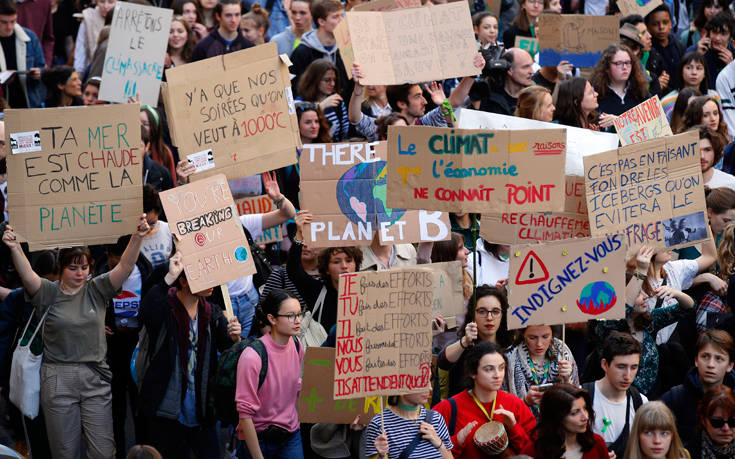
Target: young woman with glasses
x,y
486,322
716,416
619,81
269,423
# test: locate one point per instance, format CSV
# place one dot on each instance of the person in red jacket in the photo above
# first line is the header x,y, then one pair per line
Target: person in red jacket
x,y
484,401
565,426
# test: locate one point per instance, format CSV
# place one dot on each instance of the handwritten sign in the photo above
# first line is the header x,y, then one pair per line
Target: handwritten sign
x,y
260,205
642,7
386,5
580,142
520,227
410,45
530,44
577,38
645,121
344,186
204,221
567,281
652,192
240,106
493,6
462,170
384,332
75,174
316,399
135,53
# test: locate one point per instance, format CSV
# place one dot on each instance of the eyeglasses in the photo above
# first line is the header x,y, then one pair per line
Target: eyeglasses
x,y
292,316
622,64
494,313
718,423
536,2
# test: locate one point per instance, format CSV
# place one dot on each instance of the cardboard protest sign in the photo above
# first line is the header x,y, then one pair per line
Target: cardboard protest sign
x,y
238,105
316,399
204,221
642,7
135,53
580,142
577,38
386,5
530,44
410,45
260,205
645,121
384,332
567,281
519,227
75,174
493,6
462,170
652,192
344,185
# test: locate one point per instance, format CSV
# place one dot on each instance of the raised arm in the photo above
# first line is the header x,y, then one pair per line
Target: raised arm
x,y
460,93
354,112
122,271
642,261
31,280
708,257
285,209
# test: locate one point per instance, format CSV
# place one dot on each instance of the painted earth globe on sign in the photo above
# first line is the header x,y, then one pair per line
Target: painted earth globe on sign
x,y
596,298
361,193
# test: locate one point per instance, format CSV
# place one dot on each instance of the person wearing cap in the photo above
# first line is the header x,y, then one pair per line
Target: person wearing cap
x,y
633,39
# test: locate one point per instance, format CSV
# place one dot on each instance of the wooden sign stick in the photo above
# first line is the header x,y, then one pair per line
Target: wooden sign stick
x,y
228,302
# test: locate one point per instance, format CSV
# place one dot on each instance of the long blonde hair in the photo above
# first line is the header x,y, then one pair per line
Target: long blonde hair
x,y
726,252
654,416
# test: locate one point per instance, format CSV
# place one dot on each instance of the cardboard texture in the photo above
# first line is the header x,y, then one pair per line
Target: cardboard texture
x,y
530,44
645,121
577,38
384,331
652,192
344,186
316,402
386,5
260,205
204,222
135,54
74,175
410,45
642,7
520,227
493,6
580,142
462,170
240,106
567,281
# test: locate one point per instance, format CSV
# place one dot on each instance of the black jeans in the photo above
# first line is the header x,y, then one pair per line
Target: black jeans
x,y
176,441
120,347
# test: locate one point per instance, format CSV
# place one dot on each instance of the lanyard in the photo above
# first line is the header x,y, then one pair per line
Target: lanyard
x,y
533,371
492,410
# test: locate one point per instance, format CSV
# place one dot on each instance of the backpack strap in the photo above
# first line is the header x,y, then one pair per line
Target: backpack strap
x,y
298,344
263,354
406,453
452,416
319,303
590,387
637,399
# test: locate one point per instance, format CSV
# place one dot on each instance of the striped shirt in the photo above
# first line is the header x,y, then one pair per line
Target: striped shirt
x,y
402,431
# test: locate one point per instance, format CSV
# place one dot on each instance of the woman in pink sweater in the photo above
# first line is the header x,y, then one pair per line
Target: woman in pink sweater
x,y
269,423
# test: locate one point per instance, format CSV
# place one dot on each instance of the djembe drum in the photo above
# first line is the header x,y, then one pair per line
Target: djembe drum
x,y
492,439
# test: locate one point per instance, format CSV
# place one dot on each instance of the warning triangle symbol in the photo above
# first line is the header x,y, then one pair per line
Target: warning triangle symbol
x,y
532,271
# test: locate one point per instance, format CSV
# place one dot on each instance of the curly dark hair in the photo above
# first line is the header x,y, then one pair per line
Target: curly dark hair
x,y
503,337
601,77
325,255
309,81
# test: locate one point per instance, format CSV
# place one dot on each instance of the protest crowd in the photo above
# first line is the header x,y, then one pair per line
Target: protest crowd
x,y
150,352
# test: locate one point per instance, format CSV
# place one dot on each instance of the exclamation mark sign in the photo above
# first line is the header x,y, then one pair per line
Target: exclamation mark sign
x,y
531,275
